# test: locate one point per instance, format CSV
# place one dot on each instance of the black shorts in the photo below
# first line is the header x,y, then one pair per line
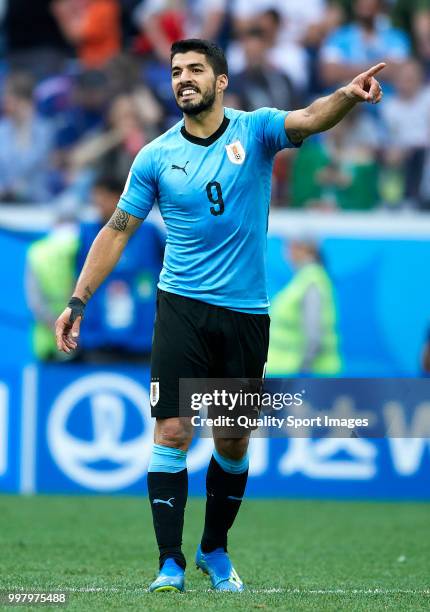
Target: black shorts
x,y
193,339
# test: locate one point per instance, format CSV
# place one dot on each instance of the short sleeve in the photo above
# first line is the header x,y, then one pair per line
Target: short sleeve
x,y
140,191
269,127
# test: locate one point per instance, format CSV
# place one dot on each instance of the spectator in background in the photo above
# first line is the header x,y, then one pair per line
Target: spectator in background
x,y
88,101
368,39
49,276
34,41
303,334
93,27
123,75
286,56
406,116
259,84
304,22
83,116
104,138
339,170
120,321
161,22
26,143
413,16
128,27
302,26
113,150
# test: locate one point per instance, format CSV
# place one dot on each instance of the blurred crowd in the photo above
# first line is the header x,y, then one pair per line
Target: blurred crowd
x,y
84,84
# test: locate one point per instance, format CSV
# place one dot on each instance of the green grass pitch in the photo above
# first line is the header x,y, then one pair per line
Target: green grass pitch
x,y
293,555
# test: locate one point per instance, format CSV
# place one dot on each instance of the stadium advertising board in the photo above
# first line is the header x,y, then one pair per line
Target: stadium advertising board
x,y
11,391
72,429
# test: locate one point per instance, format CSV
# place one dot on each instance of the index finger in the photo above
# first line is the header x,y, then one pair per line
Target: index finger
x,y
375,69
60,331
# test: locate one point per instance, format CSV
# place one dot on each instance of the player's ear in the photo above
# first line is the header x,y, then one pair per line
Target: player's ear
x,y
222,83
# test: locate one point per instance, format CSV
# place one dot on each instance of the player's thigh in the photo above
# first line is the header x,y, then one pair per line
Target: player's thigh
x,y
179,350
246,345
242,363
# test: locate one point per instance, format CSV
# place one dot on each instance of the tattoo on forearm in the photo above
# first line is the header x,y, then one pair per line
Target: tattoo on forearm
x,y
88,294
295,136
119,220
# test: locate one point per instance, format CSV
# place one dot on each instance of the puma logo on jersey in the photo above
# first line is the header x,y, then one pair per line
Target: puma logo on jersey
x,y
183,168
168,502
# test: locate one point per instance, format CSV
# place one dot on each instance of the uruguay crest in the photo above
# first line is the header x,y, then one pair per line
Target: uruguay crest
x,y
236,152
154,393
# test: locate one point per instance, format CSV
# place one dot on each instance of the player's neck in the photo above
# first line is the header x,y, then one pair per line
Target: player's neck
x,y
205,124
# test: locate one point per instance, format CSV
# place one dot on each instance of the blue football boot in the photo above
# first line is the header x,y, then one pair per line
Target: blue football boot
x,y
170,578
220,570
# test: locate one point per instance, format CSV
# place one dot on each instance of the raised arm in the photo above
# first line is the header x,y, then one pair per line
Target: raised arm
x,y
101,259
325,113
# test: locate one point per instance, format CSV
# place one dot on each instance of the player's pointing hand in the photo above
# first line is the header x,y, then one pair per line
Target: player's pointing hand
x,y
365,88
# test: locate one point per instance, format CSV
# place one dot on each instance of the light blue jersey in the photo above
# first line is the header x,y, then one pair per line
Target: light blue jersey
x,y
214,196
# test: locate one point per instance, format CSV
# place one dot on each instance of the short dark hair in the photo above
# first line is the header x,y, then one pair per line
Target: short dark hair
x,y
274,14
214,53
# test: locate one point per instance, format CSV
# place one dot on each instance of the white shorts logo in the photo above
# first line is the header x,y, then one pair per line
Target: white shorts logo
x,y
236,152
154,394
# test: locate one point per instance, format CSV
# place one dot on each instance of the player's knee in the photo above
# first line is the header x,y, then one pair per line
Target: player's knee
x,y
173,432
232,448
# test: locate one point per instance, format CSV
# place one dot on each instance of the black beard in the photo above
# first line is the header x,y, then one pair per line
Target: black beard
x,y
207,102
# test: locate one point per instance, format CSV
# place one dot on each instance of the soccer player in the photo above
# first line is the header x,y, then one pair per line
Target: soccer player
x,y
211,175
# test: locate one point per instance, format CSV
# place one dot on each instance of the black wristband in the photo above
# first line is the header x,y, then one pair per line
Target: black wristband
x,y
77,306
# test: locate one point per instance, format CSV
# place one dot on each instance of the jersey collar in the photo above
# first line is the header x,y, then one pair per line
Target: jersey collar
x,y
206,142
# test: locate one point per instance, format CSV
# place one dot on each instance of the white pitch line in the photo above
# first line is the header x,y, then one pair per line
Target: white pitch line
x,y
284,591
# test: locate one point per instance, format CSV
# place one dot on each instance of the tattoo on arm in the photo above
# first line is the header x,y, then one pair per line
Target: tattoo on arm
x,y
119,220
88,294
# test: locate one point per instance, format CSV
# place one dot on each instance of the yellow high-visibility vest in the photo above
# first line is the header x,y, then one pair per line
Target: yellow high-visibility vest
x,y
287,334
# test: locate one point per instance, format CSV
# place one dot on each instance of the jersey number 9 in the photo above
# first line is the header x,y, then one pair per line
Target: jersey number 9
x,y
214,192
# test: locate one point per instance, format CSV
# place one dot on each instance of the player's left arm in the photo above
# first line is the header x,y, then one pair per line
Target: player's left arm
x,y
324,113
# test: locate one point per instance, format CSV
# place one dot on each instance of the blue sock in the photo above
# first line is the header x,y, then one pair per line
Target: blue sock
x,y
232,466
167,459
168,491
